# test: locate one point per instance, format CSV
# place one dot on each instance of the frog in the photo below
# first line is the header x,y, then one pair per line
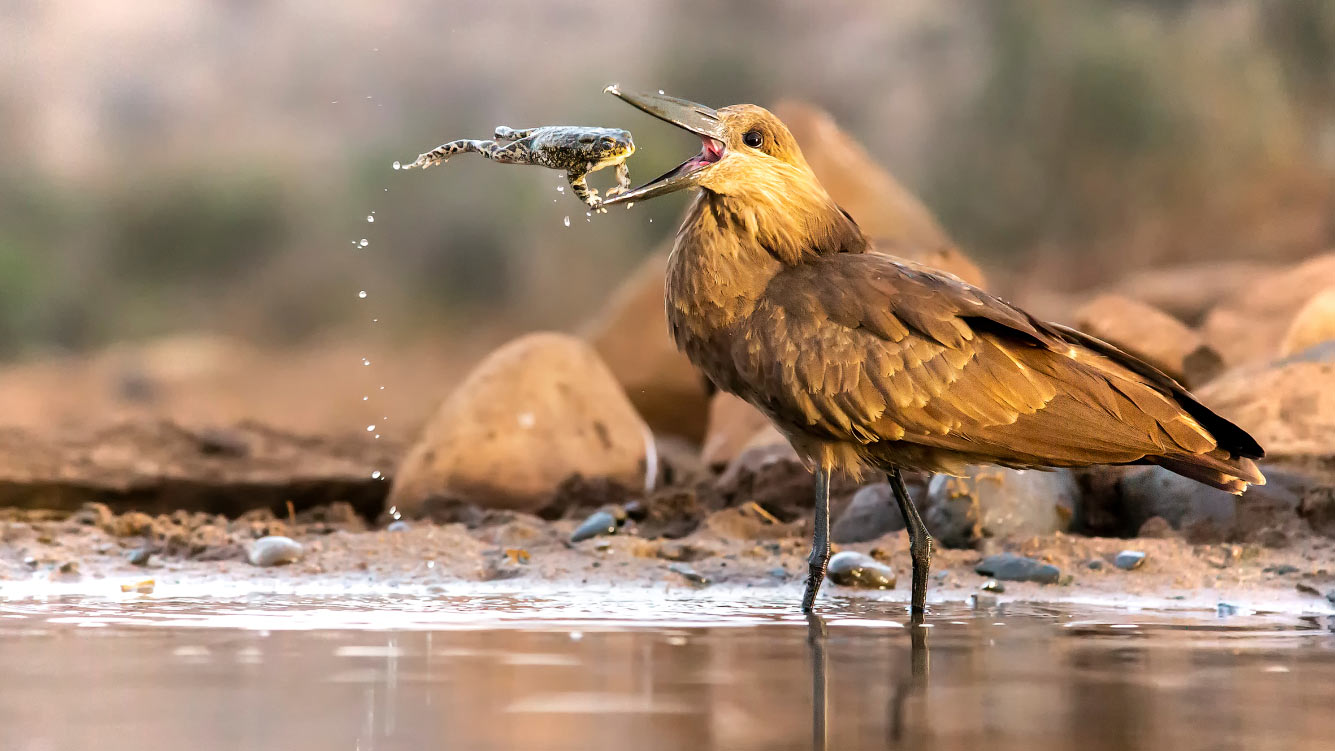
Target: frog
x,y
578,150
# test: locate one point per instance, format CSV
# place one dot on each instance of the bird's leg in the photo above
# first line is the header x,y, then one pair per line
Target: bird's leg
x,y
580,187
511,134
820,541
920,542
623,181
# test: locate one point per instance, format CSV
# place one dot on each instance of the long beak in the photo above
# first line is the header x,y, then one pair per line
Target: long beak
x,y
696,118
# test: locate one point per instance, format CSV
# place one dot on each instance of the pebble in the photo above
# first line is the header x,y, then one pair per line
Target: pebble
x,y
1011,567
1283,569
852,569
1330,596
139,556
1307,589
598,523
1225,609
992,585
1129,560
274,551
779,573
1094,564
398,526
689,574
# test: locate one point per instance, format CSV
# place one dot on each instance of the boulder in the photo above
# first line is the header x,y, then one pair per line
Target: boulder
x,y
892,217
1288,406
871,514
631,336
1188,292
1314,323
733,425
1151,335
1204,514
1249,327
533,413
999,502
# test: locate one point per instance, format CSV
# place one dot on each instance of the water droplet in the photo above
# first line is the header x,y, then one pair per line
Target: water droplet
x,y
588,213
366,398
376,436
651,220
566,221
362,294
376,476
560,189
393,510
364,242
375,320
365,361
660,91
430,564
398,166
576,635
370,428
370,218
382,388
629,204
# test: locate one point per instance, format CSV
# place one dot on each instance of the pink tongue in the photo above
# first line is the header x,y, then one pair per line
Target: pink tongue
x,y
713,149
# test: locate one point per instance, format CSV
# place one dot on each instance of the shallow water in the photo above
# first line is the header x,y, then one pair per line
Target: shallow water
x,y
611,670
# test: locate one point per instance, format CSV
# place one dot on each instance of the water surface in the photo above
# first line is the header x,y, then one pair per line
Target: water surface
x,y
618,671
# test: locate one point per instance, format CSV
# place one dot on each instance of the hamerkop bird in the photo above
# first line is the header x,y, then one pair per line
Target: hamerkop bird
x,y
864,360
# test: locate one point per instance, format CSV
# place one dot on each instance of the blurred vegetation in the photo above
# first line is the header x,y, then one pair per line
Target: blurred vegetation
x,y
212,167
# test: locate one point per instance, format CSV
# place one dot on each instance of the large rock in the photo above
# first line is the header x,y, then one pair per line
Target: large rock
x,y
1314,323
631,335
892,218
1204,514
1189,292
1288,407
1152,335
733,425
999,502
1249,327
532,414
872,513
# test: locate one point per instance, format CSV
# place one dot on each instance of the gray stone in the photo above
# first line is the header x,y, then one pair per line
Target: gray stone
x,y
398,526
999,502
275,550
852,569
1011,567
598,523
689,574
1202,513
139,556
1128,560
1094,564
994,586
871,514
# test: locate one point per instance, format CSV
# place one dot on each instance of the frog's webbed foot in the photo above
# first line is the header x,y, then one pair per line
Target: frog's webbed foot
x,y
583,192
623,181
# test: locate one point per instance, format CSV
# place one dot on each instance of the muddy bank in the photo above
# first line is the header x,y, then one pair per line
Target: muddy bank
x,y
96,551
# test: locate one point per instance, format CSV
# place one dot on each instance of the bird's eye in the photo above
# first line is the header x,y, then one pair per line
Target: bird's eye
x,y
753,138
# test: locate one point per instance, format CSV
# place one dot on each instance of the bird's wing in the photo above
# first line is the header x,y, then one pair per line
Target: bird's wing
x,y
859,347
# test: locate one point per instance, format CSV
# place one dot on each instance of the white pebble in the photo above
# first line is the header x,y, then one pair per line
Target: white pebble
x,y
274,550
566,221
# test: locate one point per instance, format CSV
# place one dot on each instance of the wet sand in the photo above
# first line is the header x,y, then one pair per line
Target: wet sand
x,y
735,550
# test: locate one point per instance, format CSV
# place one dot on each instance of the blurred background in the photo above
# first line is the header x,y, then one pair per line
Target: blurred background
x,y
187,185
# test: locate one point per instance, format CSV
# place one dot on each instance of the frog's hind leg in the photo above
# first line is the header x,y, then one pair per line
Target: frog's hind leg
x,y
509,153
580,187
511,134
623,181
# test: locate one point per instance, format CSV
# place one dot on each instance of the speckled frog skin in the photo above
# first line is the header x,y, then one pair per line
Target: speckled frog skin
x,y
577,150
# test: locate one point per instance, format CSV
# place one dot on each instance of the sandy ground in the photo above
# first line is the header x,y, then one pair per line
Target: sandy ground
x,y
44,553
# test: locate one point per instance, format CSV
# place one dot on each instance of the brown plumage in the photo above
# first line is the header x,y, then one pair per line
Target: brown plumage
x,y
863,360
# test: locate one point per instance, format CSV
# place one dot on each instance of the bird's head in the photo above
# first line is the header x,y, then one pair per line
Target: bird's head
x,y
745,150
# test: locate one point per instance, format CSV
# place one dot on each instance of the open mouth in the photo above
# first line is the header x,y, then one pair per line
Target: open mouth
x,y
696,118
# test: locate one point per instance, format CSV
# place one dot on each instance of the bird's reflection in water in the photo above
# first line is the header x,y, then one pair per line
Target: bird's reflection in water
x,y
915,681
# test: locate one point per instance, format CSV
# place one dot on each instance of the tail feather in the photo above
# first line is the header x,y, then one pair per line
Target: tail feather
x,y
1233,475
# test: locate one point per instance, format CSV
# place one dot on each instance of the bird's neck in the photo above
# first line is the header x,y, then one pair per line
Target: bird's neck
x,y
730,246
